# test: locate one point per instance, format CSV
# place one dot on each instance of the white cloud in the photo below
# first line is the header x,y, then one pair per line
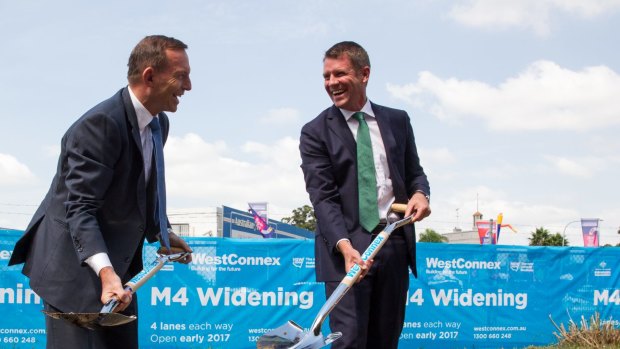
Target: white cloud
x,y
437,156
208,172
281,116
544,96
13,172
527,14
524,217
438,163
587,8
52,151
585,167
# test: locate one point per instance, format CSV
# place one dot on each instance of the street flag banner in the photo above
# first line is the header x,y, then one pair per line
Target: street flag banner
x,y
500,218
259,212
486,233
589,228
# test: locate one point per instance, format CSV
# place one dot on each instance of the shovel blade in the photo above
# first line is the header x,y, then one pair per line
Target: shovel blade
x,y
282,337
312,341
292,336
92,320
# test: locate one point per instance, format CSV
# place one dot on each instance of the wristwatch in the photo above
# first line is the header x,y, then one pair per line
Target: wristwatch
x,y
428,197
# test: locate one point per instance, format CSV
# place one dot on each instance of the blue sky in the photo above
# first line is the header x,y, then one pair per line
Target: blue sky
x,y
515,104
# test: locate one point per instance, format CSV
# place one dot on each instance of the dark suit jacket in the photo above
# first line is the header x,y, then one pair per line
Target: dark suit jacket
x,y
98,202
328,153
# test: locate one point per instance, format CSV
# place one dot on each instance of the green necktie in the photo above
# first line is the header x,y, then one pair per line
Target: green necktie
x,y
366,180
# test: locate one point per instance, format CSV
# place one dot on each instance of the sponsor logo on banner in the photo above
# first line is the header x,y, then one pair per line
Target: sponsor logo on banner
x,y
460,266
301,262
527,267
602,270
298,262
230,262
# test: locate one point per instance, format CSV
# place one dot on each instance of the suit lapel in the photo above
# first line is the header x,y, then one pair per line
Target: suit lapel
x,y
386,130
133,119
390,144
135,134
338,125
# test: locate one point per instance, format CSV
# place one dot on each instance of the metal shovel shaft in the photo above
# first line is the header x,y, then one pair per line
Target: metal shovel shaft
x,y
292,337
354,273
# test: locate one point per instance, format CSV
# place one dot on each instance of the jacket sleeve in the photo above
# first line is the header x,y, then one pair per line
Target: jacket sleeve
x,y
322,186
93,146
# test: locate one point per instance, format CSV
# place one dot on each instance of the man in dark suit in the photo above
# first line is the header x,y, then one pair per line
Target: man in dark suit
x,y
371,314
85,239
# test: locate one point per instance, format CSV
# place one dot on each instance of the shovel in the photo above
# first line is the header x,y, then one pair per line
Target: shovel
x,y
107,316
292,336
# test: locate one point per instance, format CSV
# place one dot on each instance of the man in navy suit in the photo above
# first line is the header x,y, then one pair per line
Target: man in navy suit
x,y
371,314
85,239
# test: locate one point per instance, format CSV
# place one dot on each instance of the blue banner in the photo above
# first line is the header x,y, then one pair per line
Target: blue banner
x,y
466,296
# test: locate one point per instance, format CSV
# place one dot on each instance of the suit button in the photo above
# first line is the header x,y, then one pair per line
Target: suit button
x,y
141,228
127,259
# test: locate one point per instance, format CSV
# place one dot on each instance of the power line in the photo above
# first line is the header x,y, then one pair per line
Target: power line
x,y
18,213
17,205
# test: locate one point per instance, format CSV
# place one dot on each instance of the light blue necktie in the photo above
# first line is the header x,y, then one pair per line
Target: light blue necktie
x,y
366,178
160,210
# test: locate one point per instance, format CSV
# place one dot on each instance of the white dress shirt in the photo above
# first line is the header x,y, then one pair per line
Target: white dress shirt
x,y
385,191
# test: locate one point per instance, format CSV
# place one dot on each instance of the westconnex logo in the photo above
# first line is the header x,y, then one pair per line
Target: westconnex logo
x,y
234,259
461,263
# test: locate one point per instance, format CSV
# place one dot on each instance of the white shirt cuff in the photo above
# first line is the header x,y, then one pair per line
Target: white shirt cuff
x,y
98,261
338,243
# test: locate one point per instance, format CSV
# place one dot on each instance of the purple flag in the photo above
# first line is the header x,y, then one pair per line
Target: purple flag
x,y
261,224
589,228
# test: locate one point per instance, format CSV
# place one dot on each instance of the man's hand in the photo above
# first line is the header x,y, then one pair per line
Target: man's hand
x,y
176,241
352,257
418,205
113,288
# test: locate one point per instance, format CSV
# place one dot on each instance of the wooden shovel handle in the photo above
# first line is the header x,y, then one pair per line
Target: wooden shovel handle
x,y
400,208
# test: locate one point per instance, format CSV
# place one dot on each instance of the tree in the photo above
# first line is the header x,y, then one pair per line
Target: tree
x,y
303,217
539,237
542,237
429,235
556,240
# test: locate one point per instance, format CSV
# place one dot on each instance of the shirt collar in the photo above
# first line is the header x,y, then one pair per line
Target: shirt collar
x,y
366,109
143,115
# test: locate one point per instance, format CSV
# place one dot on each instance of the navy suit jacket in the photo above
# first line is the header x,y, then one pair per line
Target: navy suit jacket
x,y
98,202
329,163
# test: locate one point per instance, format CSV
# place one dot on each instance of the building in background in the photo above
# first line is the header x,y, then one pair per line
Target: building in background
x,y
459,236
230,223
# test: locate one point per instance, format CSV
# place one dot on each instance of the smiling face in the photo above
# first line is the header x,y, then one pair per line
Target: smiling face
x,y
345,86
169,83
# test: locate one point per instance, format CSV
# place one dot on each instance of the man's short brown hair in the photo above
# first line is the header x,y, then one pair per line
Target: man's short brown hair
x,y
355,52
151,52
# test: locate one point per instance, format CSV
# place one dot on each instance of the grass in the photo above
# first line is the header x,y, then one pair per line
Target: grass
x,y
595,334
